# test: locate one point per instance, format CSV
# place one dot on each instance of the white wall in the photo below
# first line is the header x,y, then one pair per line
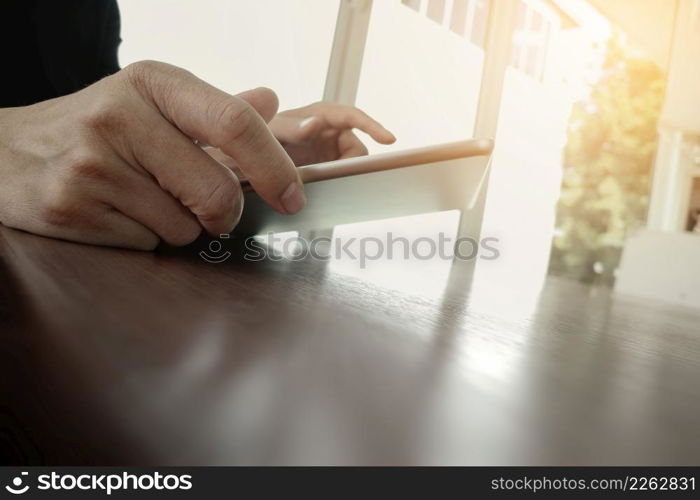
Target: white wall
x,y
237,45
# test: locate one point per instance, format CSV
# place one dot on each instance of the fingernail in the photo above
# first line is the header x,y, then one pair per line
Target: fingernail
x,y
293,198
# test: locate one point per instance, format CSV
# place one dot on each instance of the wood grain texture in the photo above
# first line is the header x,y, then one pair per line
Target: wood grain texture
x,y
114,356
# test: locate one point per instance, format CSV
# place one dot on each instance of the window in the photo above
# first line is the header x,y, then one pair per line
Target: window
x,y
414,4
466,18
530,41
480,18
458,20
436,10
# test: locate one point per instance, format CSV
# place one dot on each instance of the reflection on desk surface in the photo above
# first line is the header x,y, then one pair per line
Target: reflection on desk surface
x,y
118,356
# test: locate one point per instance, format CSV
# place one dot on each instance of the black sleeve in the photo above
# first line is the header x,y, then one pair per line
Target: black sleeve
x,y
56,47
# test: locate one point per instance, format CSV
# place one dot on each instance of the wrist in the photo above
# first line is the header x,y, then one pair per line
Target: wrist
x,y
8,126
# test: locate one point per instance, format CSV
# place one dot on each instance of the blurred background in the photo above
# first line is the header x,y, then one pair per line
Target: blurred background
x,y
593,105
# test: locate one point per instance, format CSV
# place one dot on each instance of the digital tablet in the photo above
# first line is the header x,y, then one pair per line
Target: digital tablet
x,y
429,179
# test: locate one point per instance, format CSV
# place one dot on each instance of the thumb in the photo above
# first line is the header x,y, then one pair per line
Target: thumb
x,y
263,100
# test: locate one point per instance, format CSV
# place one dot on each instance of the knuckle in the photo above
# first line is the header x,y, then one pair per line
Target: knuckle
x,y
345,115
105,117
224,199
140,72
86,166
70,186
145,76
60,206
235,120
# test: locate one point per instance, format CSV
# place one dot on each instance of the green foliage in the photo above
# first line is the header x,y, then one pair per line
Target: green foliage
x,y
608,163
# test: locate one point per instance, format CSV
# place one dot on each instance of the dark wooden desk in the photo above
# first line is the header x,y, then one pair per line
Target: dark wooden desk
x,y
113,356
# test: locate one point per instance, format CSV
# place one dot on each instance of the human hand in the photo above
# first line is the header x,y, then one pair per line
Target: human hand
x,y
115,163
323,132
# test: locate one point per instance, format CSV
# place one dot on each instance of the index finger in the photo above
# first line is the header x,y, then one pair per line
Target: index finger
x,y
339,116
228,122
